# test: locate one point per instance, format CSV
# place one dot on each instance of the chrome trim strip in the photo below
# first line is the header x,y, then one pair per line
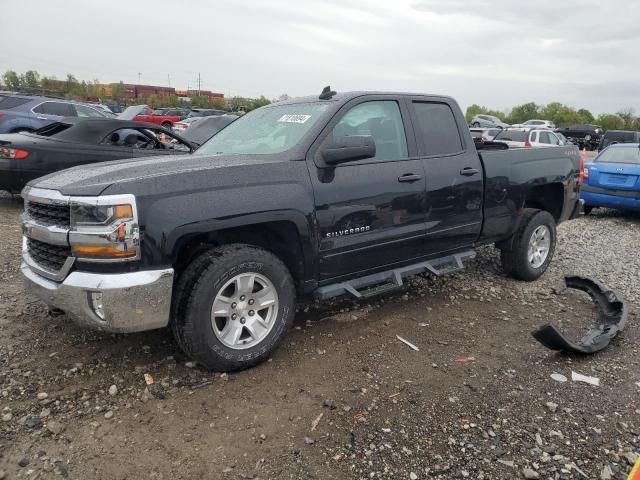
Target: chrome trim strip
x,y
46,196
50,274
52,234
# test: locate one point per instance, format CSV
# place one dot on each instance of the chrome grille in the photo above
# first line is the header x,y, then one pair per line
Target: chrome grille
x,y
50,257
49,214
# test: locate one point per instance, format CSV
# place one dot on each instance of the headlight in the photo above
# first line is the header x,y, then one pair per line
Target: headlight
x,y
104,229
83,215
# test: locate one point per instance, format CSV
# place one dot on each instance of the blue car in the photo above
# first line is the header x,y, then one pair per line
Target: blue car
x,y
27,113
612,179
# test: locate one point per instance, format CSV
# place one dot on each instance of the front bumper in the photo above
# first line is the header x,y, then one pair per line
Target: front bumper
x,y
130,302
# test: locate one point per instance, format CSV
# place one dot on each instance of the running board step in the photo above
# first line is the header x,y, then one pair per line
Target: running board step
x,y
383,282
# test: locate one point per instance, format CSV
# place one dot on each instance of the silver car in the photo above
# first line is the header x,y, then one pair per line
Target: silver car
x,y
487,121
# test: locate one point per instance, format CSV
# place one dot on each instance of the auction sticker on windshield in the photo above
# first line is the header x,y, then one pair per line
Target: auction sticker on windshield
x,y
294,118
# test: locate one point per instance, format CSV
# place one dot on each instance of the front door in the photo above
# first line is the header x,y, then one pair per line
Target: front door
x,y
454,179
370,212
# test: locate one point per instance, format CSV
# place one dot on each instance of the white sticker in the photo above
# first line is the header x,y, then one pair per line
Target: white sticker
x,y
294,118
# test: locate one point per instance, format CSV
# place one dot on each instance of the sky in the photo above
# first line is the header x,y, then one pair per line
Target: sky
x,y
496,53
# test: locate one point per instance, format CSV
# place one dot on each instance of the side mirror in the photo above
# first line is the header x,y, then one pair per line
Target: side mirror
x,y
349,148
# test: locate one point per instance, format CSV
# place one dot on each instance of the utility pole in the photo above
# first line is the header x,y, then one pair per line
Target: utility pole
x,y
168,80
198,83
139,74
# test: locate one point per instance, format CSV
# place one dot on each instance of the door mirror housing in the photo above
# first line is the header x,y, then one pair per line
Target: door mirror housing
x,y
349,148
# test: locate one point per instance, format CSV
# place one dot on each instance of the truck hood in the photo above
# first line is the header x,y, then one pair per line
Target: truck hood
x,y
95,178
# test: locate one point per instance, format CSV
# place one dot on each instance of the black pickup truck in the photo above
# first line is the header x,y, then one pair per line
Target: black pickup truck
x,y
327,195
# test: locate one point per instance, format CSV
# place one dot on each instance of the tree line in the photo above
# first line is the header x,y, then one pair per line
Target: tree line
x,y
32,82
561,115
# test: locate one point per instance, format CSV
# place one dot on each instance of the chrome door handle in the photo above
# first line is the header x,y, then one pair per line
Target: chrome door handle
x,y
409,177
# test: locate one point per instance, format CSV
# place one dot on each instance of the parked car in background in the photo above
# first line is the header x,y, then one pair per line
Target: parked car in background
x,y
161,118
26,113
205,128
181,126
172,111
528,137
484,134
76,141
612,179
536,124
585,136
487,121
205,112
617,136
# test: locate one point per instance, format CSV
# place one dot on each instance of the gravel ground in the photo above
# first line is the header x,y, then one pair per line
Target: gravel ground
x,y
343,397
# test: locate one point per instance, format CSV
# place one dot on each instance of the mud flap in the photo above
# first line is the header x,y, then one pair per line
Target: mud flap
x,y
612,313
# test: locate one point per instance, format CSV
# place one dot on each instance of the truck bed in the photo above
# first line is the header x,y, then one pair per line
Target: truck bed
x,y
511,173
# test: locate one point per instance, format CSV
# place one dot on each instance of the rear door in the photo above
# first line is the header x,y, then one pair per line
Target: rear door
x,y
370,212
453,173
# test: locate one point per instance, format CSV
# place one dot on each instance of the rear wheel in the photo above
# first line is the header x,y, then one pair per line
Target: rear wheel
x,y
587,209
475,124
167,125
532,247
233,306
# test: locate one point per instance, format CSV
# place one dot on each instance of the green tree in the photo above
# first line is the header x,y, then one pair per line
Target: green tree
x,y
628,118
609,121
31,80
200,101
475,109
524,112
586,116
117,92
259,102
12,80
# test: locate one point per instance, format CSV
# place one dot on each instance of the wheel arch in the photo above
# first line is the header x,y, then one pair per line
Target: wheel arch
x,y
283,238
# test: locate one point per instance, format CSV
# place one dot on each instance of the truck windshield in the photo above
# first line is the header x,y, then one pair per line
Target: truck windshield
x,y
629,154
265,130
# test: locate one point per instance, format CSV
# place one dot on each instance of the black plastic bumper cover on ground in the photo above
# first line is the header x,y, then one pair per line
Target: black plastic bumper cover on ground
x,y
612,312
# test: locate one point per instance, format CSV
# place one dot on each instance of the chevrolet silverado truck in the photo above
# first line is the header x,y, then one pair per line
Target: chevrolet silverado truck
x,y
327,195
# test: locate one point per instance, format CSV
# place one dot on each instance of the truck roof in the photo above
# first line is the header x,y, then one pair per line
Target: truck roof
x,y
343,97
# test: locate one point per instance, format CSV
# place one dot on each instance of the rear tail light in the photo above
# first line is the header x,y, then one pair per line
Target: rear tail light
x,y
1,114
584,171
13,153
527,143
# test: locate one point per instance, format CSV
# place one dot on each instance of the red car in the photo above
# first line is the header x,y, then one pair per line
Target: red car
x,y
163,117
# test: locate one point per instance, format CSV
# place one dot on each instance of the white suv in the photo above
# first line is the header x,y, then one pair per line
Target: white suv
x,y
537,124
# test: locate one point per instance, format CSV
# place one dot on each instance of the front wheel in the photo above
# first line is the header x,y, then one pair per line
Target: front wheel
x,y
532,247
587,209
233,306
475,124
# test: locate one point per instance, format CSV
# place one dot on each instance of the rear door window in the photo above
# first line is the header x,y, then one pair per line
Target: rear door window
x,y
437,129
60,109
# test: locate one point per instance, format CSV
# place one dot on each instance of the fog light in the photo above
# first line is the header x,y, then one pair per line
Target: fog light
x,y
96,304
